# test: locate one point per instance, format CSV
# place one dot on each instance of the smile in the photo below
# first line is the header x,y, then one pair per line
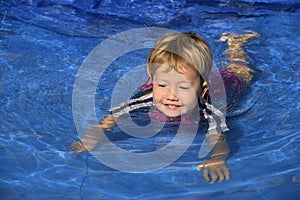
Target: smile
x,y
172,106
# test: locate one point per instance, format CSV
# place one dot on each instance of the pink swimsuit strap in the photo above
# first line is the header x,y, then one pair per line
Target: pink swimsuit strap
x,y
158,116
230,78
147,85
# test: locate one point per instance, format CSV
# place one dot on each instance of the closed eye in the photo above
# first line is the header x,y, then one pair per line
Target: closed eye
x,y
185,87
162,85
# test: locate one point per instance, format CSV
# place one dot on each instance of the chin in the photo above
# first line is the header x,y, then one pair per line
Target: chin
x,y
168,113
173,114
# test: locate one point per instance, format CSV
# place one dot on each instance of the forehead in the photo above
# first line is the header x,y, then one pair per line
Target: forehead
x,y
182,70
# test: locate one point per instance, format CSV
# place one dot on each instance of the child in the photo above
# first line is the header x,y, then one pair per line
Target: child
x,y
179,66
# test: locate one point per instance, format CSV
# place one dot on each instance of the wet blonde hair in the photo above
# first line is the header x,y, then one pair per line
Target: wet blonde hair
x,y
177,48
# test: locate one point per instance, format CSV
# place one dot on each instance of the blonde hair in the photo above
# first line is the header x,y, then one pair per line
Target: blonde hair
x,y
178,48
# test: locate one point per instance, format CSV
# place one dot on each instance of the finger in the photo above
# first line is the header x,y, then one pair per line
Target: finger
x,y
205,174
105,120
200,167
213,176
221,175
106,126
108,123
103,126
77,147
226,173
110,117
73,147
111,123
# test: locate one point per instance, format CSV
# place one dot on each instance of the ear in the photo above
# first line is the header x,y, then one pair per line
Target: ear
x,y
149,74
150,77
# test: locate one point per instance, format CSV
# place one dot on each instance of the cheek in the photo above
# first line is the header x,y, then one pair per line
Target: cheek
x,y
157,93
189,99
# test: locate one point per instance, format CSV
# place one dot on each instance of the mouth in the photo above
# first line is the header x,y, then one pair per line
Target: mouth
x,y
172,106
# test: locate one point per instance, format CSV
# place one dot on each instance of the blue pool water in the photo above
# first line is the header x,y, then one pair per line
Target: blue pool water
x,y
43,44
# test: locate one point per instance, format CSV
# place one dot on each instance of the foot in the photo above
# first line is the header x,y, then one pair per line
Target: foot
x,y
235,41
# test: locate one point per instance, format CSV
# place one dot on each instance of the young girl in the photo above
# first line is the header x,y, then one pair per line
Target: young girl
x,y
179,66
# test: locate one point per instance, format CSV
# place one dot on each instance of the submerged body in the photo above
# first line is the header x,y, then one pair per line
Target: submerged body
x,y
179,66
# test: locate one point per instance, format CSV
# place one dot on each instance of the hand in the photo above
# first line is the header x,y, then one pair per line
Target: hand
x,y
215,169
90,140
93,136
108,122
78,147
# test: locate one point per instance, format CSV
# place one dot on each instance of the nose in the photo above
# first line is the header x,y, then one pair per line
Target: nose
x,y
171,96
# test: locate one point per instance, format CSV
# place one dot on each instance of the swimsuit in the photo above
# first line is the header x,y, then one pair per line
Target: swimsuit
x,y
215,118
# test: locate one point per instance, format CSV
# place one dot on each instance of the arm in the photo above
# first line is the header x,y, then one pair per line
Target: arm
x,y
215,168
94,136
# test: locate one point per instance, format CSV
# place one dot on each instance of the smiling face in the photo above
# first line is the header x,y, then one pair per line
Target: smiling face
x,y
175,93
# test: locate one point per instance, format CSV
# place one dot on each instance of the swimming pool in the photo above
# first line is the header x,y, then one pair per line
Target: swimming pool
x,y
43,44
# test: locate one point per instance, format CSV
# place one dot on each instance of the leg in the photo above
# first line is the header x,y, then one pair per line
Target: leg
x,y
235,41
237,58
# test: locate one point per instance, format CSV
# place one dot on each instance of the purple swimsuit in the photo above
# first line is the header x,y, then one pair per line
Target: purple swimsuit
x,y
215,117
